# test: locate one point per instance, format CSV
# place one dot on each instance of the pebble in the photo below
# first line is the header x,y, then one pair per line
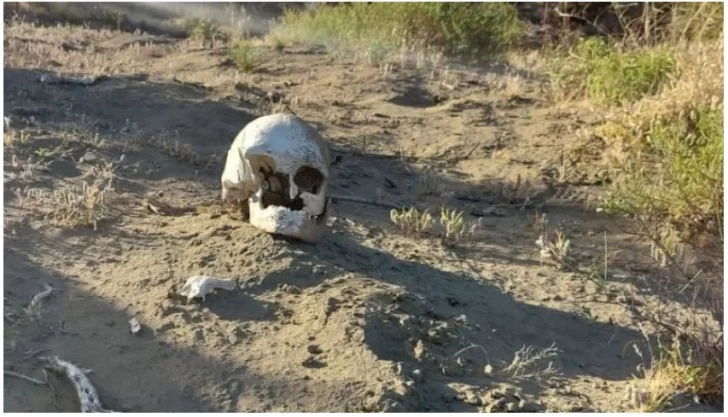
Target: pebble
x,y
418,375
488,370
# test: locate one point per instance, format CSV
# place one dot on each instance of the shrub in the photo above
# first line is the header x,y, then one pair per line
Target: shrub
x,y
245,56
608,75
678,176
205,31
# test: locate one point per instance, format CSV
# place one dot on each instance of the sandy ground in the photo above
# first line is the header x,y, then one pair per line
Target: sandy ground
x,y
369,319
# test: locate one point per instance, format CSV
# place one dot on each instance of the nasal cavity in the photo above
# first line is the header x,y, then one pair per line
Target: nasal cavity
x,y
308,179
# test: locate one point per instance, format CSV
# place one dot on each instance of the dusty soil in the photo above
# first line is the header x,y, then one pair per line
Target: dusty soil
x,y
369,319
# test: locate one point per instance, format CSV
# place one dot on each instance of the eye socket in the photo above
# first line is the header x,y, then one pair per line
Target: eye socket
x,y
308,179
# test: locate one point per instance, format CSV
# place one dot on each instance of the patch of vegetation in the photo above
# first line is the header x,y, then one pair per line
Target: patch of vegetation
x,y
453,224
466,29
412,220
609,74
659,87
678,370
245,56
13,138
205,31
678,176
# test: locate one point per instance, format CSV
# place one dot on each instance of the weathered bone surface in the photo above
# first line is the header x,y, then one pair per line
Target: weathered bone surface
x,y
280,166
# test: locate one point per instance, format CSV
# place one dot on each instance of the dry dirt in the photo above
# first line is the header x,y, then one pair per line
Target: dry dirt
x,y
369,319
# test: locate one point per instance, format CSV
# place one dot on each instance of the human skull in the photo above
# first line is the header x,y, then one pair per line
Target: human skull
x,y
280,166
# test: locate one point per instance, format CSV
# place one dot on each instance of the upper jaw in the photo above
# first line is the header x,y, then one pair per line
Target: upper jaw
x,y
281,220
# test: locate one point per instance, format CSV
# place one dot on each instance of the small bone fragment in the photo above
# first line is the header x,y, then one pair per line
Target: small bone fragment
x,y
87,395
38,298
135,326
201,285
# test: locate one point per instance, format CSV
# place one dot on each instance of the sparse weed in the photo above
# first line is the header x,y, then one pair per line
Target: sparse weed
x,y
87,132
538,222
454,225
27,193
412,220
13,138
557,249
430,182
525,360
514,193
205,31
47,154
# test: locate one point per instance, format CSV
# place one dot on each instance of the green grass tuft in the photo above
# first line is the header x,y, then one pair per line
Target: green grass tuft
x,y
245,56
609,75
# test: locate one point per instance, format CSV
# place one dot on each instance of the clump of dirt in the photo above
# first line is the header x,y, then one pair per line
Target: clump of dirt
x,y
368,319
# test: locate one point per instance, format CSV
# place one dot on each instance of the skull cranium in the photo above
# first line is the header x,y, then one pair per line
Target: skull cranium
x,y
280,166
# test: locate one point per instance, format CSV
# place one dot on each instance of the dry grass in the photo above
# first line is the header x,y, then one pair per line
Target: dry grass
x,y
13,138
73,206
79,207
556,249
431,182
70,207
677,370
526,360
166,143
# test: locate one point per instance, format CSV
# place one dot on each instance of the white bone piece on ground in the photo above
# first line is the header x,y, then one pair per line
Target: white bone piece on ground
x,y
135,326
275,148
38,298
87,395
200,285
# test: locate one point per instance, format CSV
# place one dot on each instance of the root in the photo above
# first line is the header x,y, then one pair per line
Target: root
x,y
21,376
87,395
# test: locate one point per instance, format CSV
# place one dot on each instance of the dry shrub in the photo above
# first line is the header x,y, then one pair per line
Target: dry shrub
x,y
74,207
678,370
